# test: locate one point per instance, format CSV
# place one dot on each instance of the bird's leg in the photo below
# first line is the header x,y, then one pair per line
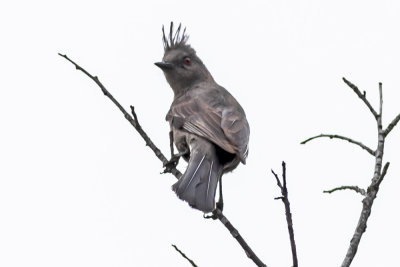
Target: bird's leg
x,y
171,142
220,203
219,206
173,162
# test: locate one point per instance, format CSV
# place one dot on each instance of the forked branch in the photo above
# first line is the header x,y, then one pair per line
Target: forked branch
x,y
285,200
378,176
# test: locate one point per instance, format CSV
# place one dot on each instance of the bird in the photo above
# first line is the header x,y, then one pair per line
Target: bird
x,y
208,125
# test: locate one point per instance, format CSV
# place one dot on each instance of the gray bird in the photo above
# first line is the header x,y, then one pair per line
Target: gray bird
x,y
208,126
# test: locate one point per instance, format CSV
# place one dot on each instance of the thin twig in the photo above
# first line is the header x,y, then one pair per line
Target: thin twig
x,y
362,96
183,255
391,125
134,122
285,200
350,187
331,136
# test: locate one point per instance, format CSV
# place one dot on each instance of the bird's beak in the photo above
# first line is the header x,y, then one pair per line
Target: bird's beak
x,y
164,65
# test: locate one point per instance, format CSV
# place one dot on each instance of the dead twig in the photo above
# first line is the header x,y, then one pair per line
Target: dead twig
x,y
362,96
285,200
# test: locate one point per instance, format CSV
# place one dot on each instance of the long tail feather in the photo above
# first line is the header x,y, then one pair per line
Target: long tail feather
x,y
198,184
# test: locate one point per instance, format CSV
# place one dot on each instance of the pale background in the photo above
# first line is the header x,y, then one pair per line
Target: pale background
x,y
78,187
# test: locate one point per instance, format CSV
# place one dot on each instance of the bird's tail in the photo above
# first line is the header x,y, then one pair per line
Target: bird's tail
x,y
198,184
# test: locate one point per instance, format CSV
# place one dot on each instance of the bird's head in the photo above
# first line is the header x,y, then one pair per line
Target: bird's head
x,y
181,66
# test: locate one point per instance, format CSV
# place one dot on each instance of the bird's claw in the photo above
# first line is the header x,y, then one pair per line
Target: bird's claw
x,y
213,216
171,164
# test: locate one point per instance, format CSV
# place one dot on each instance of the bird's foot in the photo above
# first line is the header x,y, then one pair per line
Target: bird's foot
x,y
214,215
219,207
171,164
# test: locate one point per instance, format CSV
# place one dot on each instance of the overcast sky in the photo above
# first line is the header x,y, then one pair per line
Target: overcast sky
x,y
78,187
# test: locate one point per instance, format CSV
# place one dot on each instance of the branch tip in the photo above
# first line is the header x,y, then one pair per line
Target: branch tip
x,y
361,96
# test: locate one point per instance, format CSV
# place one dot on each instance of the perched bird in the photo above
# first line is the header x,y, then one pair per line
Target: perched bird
x,y
209,127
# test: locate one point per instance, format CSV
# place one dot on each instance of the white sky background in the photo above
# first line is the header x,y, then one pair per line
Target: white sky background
x,y
78,187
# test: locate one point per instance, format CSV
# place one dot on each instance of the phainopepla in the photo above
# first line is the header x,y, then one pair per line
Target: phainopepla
x,y
209,127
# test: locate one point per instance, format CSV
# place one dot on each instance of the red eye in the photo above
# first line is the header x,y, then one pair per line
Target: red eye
x,y
187,61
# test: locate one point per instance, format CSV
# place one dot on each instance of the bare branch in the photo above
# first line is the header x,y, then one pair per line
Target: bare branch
x,y
379,174
285,200
184,256
135,123
278,182
350,187
331,136
362,96
249,252
372,191
391,125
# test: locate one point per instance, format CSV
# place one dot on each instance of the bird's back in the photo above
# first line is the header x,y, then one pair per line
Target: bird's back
x,y
210,111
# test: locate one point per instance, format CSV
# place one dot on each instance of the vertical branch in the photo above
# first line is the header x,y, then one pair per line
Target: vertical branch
x,y
372,191
378,176
285,200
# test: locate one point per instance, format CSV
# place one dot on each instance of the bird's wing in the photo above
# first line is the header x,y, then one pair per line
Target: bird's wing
x,y
237,131
224,125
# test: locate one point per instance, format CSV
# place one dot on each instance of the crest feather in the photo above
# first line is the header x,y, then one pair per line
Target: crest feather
x,y
174,40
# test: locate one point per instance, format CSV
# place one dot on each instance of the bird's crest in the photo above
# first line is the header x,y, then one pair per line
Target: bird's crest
x,y
174,40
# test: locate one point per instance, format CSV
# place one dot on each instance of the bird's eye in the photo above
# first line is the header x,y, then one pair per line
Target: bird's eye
x,y
187,61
